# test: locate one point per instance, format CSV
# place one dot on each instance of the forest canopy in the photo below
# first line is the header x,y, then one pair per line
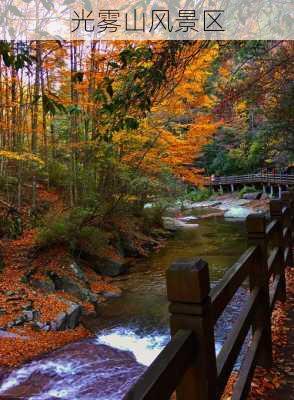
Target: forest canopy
x,y
118,123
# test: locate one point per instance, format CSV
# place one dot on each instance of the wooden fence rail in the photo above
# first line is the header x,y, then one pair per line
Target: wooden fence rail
x,y
279,179
188,364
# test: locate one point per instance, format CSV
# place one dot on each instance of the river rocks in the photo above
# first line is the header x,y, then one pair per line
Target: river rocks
x,y
188,218
73,315
174,224
78,271
252,196
46,284
59,324
201,204
238,212
110,294
68,319
30,315
17,322
70,286
26,316
219,213
111,266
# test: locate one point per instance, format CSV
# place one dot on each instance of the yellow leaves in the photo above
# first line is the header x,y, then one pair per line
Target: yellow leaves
x,y
240,107
10,155
224,71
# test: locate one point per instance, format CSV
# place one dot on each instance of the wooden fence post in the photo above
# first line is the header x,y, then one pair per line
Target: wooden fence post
x,y
188,289
276,212
259,277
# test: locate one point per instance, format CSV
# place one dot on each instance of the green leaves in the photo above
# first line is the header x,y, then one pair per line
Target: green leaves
x,y
87,4
135,54
17,61
74,109
15,11
131,123
48,4
113,64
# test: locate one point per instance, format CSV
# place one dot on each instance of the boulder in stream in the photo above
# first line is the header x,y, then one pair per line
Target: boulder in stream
x,y
111,266
252,196
174,224
238,212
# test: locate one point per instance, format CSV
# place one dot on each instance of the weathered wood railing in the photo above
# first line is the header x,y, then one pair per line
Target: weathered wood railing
x,y
279,179
188,364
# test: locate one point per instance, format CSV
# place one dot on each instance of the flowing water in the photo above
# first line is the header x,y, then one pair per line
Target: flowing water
x,y
132,329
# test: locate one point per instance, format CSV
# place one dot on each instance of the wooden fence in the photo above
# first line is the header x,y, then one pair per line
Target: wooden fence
x,y
188,364
278,179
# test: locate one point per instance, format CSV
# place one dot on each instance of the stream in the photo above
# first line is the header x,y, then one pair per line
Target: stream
x,y
132,329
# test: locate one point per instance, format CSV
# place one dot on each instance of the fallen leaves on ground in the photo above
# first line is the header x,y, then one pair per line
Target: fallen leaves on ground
x,y
15,351
266,383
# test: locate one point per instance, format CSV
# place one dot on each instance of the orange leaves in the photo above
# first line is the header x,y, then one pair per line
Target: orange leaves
x,y
14,351
182,151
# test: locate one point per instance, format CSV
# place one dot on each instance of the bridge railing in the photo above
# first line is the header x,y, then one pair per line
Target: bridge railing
x,y
282,179
188,364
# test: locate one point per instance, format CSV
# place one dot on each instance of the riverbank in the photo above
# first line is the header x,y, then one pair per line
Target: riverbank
x,y
38,288
46,296
47,292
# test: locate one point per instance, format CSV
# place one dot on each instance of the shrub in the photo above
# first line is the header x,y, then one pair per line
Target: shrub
x,y
199,194
72,229
58,174
152,217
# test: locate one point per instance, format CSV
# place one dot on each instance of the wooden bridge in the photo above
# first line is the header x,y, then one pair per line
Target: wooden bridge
x,y
188,364
281,181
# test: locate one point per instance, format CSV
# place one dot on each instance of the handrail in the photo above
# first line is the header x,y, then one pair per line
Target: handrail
x,y
287,179
168,367
231,348
188,364
223,292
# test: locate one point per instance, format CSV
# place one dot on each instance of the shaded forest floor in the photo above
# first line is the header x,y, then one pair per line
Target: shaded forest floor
x,y
18,297
24,342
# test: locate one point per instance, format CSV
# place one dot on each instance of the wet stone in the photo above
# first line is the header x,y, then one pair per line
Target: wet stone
x,y
30,315
19,321
59,323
